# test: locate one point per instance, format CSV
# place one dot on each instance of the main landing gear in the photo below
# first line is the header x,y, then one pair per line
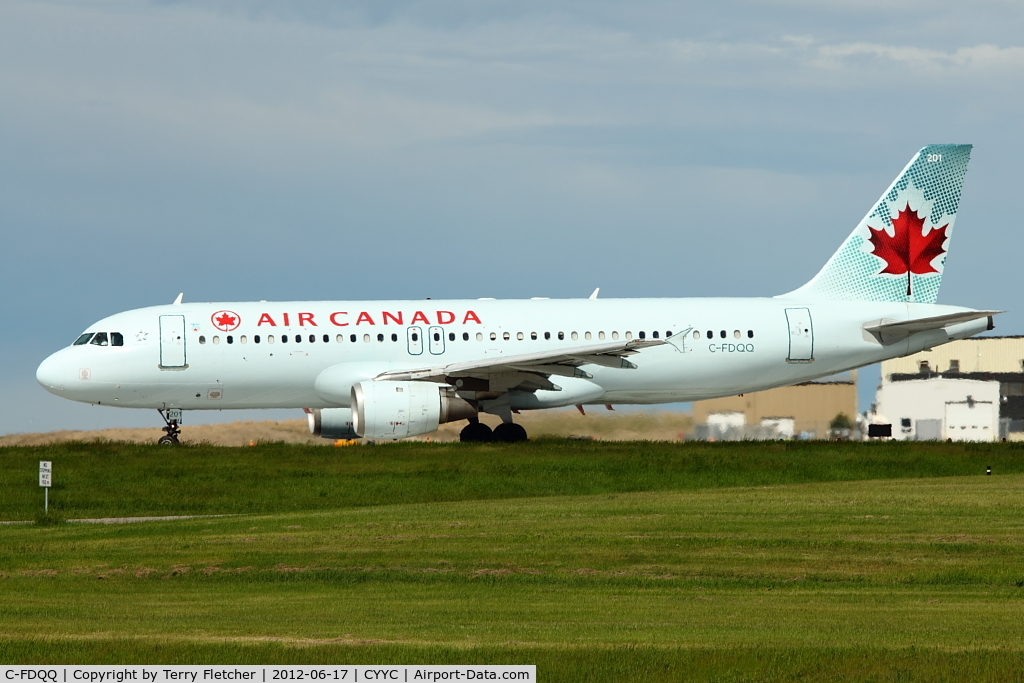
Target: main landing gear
x,y
172,429
506,432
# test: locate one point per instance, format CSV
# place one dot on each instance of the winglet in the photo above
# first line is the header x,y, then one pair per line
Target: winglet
x,y
594,295
177,302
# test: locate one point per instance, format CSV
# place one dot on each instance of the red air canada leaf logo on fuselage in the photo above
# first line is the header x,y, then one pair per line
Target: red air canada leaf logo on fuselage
x,y
908,250
225,321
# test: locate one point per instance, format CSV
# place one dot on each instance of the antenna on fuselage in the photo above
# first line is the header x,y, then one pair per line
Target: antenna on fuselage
x,y
177,302
594,295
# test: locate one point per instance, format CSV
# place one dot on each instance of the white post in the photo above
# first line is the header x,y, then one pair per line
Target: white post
x,y
45,477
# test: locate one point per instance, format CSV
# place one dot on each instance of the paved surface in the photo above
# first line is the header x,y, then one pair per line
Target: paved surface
x,y
129,520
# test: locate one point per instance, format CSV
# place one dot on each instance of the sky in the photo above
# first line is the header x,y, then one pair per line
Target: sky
x,y
401,149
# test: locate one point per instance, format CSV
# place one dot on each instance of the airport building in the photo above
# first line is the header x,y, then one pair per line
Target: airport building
x,y
966,390
799,411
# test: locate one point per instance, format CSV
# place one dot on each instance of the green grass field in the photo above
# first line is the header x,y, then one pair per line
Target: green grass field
x,y
617,562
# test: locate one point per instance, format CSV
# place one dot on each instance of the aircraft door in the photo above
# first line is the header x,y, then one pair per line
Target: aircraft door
x,y
801,335
436,340
172,341
415,337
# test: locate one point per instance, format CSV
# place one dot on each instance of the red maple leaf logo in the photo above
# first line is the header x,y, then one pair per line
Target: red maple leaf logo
x,y
909,250
226,320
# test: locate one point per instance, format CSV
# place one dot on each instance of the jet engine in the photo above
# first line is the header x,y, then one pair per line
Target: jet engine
x,y
395,410
331,423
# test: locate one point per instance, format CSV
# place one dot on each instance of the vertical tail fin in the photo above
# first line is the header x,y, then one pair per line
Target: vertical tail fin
x,y
898,251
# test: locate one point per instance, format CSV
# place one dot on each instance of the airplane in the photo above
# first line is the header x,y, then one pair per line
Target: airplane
x,y
398,369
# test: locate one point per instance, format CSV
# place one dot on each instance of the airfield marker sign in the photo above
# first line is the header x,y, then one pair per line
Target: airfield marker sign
x,y
45,479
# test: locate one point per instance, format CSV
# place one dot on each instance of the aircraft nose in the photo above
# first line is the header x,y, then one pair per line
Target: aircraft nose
x,y
50,374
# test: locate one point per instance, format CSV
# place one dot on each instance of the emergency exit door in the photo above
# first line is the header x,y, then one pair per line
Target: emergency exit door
x,y
801,335
415,340
172,341
436,340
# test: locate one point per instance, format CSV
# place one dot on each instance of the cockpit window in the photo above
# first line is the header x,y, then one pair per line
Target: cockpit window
x,y
116,339
84,339
100,339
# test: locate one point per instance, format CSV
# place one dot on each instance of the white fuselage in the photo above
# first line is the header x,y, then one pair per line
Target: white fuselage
x,y
180,356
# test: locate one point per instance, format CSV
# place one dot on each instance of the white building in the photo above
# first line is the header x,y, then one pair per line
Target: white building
x,y
935,384
939,409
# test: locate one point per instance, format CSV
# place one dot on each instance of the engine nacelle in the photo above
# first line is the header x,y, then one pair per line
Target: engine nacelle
x,y
395,410
331,423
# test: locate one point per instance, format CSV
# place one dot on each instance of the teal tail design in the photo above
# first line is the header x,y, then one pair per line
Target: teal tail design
x,y
898,251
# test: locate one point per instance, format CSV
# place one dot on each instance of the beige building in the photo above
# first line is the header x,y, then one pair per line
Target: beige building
x,y
810,406
998,361
994,355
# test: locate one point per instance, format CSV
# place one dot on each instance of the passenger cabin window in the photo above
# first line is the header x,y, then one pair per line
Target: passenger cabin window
x,y
736,334
231,340
615,335
327,338
574,336
451,336
270,339
284,338
493,336
340,338
479,336
100,339
84,339
750,334
547,335
519,336
394,337
465,336
312,338
243,339
654,334
642,335
587,336
722,334
352,338
533,336
600,335
561,336
256,339
202,339
711,334
696,334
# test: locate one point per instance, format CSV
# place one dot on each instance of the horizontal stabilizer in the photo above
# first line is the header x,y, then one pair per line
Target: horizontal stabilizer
x,y
887,331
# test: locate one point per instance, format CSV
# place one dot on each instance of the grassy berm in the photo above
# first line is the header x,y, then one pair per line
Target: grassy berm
x,y
595,561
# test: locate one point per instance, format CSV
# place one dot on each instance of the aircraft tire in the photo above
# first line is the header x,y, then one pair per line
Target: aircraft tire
x,y
510,432
168,441
476,432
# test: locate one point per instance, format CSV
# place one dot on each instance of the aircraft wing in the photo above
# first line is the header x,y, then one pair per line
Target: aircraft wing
x,y
905,328
563,362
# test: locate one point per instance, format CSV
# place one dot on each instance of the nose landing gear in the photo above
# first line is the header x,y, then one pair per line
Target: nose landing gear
x,y
171,418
